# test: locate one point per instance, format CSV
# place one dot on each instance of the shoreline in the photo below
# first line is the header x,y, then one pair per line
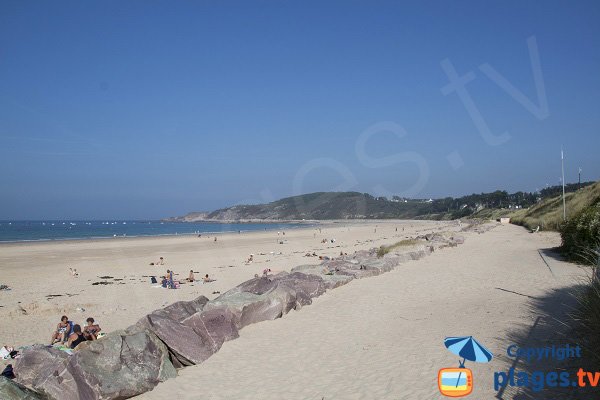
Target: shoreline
x,y
163,235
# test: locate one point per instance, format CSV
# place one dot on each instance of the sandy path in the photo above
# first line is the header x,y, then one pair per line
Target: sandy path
x,y
382,337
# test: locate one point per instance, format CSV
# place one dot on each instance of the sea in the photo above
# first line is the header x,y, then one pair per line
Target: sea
x,y
26,231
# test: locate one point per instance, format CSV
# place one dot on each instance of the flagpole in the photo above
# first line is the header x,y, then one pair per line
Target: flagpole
x,y
562,161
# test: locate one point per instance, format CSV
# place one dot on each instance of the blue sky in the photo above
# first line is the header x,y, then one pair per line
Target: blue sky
x,y
150,109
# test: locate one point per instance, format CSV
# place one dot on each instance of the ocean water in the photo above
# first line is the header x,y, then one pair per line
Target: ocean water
x,y
22,231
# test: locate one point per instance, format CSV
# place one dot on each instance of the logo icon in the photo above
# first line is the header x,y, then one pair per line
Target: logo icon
x,y
458,382
455,382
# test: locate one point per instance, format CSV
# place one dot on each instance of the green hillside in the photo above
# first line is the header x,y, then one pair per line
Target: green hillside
x,y
532,208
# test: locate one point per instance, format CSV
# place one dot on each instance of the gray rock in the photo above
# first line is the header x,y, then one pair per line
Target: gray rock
x,y
331,281
10,390
306,286
191,334
43,369
217,323
256,300
182,309
185,344
120,365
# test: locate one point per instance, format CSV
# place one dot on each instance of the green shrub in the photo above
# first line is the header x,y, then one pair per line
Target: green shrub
x,y
587,314
383,250
582,232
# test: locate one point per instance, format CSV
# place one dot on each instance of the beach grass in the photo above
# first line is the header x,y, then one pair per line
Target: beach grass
x,y
383,250
548,214
587,314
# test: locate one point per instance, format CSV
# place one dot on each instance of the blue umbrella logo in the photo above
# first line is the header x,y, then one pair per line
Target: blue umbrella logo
x,y
469,349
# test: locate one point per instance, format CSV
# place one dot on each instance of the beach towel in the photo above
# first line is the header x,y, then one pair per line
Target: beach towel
x,y
4,353
65,349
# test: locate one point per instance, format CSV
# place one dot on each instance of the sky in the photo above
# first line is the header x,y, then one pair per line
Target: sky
x,y
149,109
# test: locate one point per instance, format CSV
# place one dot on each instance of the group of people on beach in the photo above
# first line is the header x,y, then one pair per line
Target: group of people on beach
x,y
70,334
169,283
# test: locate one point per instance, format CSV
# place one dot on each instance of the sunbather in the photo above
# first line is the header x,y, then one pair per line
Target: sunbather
x,y
76,337
191,278
167,281
63,330
91,330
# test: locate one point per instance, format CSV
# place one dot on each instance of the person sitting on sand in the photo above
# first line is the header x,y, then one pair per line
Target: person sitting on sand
x,y
76,337
191,278
91,330
74,272
250,259
63,330
206,279
167,281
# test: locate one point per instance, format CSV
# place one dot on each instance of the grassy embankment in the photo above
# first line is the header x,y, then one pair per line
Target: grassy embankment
x,y
548,214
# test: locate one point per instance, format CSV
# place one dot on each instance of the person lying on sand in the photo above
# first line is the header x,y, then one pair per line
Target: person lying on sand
x,y
76,337
206,279
74,272
91,330
161,261
191,278
63,330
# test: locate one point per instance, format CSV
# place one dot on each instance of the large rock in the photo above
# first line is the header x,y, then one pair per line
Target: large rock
x,y
195,338
44,369
330,280
191,334
10,390
182,309
120,365
256,300
306,286
218,324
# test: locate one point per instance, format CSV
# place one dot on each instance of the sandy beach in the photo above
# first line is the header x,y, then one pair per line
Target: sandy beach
x,y
382,337
375,338
43,289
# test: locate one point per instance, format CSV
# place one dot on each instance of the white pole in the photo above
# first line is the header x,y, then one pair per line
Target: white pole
x,y
562,161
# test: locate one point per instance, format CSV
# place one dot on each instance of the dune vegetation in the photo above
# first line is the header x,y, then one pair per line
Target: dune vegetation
x,y
548,213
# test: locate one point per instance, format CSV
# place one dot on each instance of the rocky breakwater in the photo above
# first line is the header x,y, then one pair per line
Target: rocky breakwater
x,y
129,362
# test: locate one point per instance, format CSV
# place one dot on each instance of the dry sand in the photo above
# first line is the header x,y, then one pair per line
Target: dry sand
x,y
382,337
36,271
375,338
